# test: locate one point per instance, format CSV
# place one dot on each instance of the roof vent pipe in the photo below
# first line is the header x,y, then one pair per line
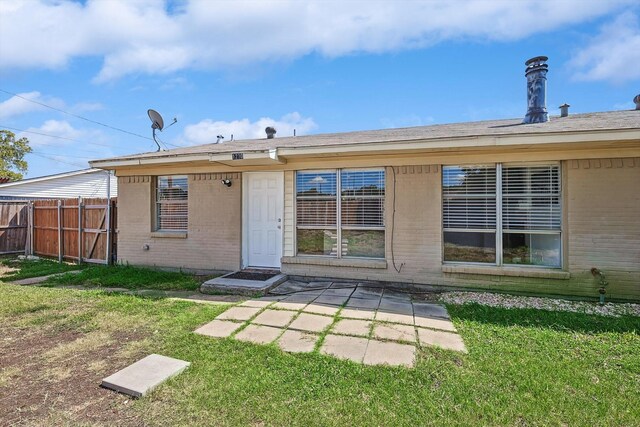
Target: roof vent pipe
x,y
637,101
536,73
564,110
271,132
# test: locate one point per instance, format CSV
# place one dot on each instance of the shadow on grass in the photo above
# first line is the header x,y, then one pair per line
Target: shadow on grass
x,y
542,319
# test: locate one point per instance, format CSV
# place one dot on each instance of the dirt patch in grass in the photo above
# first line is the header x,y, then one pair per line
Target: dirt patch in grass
x,y
44,382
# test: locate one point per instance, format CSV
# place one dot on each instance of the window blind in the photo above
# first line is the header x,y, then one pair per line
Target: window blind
x,y
316,203
172,202
531,198
469,197
362,199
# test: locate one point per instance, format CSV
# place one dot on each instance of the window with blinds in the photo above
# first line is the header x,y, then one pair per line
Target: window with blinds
x,y
516,222
340,213
172,197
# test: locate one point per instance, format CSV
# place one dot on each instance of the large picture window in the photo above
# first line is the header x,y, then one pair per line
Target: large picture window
x,y
172,198
502,214
340,213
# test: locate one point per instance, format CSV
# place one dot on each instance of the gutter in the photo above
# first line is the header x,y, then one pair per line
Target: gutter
x,y
279,155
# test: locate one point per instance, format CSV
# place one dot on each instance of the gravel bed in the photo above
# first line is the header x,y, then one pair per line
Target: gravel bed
x,y
551,304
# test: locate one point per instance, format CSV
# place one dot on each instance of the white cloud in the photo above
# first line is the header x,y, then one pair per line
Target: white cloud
x,y
207,130
147,36
16,106
614,54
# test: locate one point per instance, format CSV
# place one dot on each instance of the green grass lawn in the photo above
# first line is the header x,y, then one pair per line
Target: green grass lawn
x,y
24,269
524,367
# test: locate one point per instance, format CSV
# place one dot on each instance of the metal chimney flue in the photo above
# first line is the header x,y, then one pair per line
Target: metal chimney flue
x,y
271,132
636,99
564,110
536,73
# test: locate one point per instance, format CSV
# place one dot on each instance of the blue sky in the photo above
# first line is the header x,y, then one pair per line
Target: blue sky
x,y
235,67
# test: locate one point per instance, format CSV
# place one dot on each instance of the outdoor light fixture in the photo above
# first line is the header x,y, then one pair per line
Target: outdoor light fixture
x,y
226,182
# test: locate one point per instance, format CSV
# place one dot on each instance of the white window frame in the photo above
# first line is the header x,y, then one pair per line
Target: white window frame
x,y
338,226
499,231
157,203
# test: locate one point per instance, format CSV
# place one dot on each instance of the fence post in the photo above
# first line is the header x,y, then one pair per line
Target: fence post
x,y
60,245
80,205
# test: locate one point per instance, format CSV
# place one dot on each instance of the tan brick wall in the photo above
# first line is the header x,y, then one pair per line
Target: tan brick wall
x,y
602,203
214,232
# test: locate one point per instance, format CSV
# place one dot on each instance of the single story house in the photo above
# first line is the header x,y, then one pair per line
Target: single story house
x,y
498,205
68,185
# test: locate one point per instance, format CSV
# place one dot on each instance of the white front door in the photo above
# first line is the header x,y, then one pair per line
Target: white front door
x,y
263,218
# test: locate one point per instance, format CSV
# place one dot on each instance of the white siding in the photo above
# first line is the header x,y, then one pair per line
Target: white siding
x,y
91,183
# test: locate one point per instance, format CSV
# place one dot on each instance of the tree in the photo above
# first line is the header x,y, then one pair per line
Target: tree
x,y
12,152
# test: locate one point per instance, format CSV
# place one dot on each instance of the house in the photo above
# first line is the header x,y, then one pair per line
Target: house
x,y
499,205
82,183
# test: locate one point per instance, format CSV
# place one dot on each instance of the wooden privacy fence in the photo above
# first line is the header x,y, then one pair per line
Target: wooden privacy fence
x,y
81,230
14,223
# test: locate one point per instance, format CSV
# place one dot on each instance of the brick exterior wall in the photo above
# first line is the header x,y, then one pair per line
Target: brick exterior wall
x,y
213,239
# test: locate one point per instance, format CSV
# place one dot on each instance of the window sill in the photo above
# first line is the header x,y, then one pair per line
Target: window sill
x,y
335,262
169,234
507,271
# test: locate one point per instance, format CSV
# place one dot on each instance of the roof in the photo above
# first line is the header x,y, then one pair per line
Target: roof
x,y
580,123
49,177
80,183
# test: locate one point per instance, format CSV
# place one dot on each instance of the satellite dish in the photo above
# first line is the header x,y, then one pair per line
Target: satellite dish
x,y
156,119
158,123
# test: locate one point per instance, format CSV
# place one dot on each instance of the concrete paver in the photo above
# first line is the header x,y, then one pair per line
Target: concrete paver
x,y
338,292
366,302
297,342
343,347
239,313
144,375
446,340
421,309
384,316
256,303
352,327
311,322
277,318
258,334
390,353
395,332
328,310
302,297
218,328
287,305
331,300
394,306
358,313
442,324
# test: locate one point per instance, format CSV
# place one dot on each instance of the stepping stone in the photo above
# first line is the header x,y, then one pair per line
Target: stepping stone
x,y
395,306
442,324
337,292
395,332
239,313
273,298
331,300
441,339
352,327
258,334
144,375
346,348
329,310
347,285
256,303
297,342
390,353
286,305
277,318
301,297
365,291
358,313
430,310
371,303
218,328
384,316
311,322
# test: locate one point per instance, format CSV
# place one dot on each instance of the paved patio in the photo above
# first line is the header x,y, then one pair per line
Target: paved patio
x,y
351,321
